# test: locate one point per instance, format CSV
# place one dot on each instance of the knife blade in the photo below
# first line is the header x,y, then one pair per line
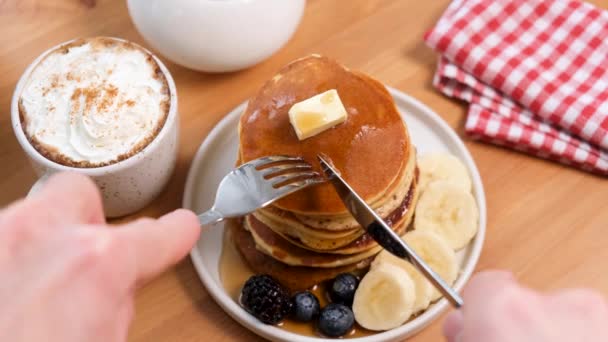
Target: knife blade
x,y
382,233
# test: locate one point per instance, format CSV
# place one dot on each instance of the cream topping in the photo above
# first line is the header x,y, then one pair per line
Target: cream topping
x,y
94,102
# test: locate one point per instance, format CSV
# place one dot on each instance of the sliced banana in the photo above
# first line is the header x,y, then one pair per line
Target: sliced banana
x,y
443,166
436,253
424,289
384,299
450,212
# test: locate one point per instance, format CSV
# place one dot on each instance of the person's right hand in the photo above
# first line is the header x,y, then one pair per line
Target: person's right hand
x,y
65,275
497,309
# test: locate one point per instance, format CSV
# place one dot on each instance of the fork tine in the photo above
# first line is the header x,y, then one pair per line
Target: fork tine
x,y
268,172
257,163
293,187
262,181
284,179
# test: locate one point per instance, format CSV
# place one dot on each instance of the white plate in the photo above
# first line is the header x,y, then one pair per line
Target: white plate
x,y
216,156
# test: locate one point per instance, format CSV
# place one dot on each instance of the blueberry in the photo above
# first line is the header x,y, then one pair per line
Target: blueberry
x,y
343,288
305,306
336,320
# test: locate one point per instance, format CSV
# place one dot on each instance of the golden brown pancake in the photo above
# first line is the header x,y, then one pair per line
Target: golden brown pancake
x,y
342,225
295,278
386,204
399,217
284,251
316,239
309,236
369,149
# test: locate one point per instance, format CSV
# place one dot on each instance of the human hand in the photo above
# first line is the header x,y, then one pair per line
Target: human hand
x,y
67,276
497,309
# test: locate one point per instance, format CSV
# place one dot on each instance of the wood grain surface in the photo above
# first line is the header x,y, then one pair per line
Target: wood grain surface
x,y
546,222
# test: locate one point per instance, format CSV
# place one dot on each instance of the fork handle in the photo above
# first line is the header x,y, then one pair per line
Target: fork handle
x,y
211,216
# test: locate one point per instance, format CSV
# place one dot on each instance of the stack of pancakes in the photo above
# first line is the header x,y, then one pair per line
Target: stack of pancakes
x,y
309,236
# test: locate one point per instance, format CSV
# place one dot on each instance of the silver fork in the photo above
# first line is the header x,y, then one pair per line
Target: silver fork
x,y
258,183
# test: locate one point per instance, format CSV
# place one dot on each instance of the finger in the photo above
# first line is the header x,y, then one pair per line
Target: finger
x,y
159,244
123,319
483,296
580,301
66,198
452,327
483,288
70,197
486,282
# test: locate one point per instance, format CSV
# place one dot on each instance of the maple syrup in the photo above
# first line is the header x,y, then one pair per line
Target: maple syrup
x,y
234,272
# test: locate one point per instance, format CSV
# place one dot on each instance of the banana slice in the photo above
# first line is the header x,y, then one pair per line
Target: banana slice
x,y
443,166
437,254
450,212
424,289
384,299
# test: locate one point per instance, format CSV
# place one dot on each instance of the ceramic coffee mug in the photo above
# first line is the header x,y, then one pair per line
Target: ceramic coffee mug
x,y
128,185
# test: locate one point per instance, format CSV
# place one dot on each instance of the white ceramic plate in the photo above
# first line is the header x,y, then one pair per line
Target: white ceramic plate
x,y
216,157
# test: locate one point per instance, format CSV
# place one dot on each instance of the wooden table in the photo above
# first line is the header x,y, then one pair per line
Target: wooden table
x,y
547,223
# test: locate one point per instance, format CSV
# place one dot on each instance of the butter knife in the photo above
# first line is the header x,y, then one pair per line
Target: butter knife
x,y
382,233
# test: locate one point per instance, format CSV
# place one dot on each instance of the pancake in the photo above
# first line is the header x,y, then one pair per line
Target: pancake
x,y
370,148
337,223
343,225
402,215
316,239
295,278
345,222
284,251
384,207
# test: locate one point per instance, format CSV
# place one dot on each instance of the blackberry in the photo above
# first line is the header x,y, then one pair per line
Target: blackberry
x,y
266,299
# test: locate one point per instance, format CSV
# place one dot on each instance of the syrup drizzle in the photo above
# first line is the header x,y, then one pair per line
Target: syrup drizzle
x,y
234,273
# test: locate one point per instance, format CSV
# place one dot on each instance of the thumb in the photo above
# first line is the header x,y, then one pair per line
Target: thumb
x,y
160,244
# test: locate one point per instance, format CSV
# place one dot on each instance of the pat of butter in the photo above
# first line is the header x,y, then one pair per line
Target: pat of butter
x,y
317,114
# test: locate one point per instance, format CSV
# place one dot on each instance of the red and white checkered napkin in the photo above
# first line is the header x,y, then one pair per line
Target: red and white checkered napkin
x,y
535,73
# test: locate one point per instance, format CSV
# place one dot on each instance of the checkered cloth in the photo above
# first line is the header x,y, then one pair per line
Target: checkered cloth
x,y
535,73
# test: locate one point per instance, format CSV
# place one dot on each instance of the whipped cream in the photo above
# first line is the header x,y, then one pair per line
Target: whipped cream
x,y
94,103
